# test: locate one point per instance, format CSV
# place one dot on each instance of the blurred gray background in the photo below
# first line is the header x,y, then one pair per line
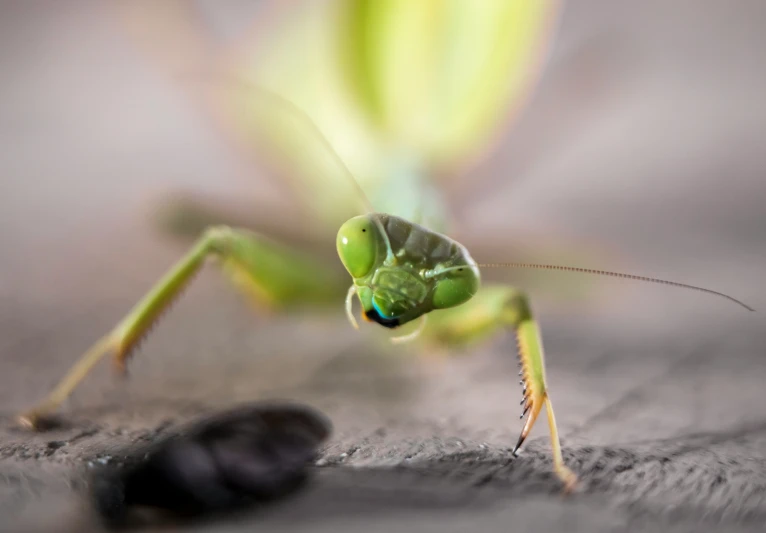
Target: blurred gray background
x,y
645,136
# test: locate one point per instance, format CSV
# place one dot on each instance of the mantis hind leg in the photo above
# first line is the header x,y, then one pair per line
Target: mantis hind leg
x,y
271,273
495,308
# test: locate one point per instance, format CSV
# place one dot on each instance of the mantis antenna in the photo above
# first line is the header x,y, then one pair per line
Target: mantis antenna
x,y
614,275
247,85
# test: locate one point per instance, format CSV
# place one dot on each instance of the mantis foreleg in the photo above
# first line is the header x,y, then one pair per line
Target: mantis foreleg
x,y
273,274
492,309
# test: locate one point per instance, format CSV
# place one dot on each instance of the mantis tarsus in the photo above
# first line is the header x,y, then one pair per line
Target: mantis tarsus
x,y
401,272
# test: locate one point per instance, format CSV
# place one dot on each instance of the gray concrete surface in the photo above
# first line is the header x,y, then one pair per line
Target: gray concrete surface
x,y
659,393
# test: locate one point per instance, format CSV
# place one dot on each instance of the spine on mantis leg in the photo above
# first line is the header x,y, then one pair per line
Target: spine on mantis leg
x,y
517,315
139,321
269,266
494,308
124,337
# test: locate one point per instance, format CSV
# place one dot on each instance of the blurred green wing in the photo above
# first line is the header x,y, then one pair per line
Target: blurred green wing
x,y
440,77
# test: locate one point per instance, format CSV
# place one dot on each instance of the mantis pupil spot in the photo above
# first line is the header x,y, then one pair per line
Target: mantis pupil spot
x,y
363,230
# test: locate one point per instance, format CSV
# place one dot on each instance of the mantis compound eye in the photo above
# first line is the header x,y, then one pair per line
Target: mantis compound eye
x,y
358,242
460,285
251,454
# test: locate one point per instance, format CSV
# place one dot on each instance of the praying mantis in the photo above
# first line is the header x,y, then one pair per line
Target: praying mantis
x,y
402,270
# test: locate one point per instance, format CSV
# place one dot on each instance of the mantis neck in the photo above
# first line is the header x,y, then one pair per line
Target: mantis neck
x,y
408,192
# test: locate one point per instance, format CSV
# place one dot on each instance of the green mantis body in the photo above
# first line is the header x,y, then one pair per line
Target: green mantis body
x,y
401,271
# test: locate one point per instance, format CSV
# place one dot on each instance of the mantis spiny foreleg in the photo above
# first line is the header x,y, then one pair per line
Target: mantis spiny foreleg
x,y
271,273
494,308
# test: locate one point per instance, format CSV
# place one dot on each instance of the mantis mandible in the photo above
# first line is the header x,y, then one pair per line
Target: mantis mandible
x,y
401,272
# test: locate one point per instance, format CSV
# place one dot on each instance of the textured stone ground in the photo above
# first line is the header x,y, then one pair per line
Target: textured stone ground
x,y
659,394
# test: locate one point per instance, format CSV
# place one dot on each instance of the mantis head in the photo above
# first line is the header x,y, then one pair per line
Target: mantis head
x,y
428,271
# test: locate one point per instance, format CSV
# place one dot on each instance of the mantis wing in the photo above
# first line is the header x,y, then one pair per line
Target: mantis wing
x,y
442,77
